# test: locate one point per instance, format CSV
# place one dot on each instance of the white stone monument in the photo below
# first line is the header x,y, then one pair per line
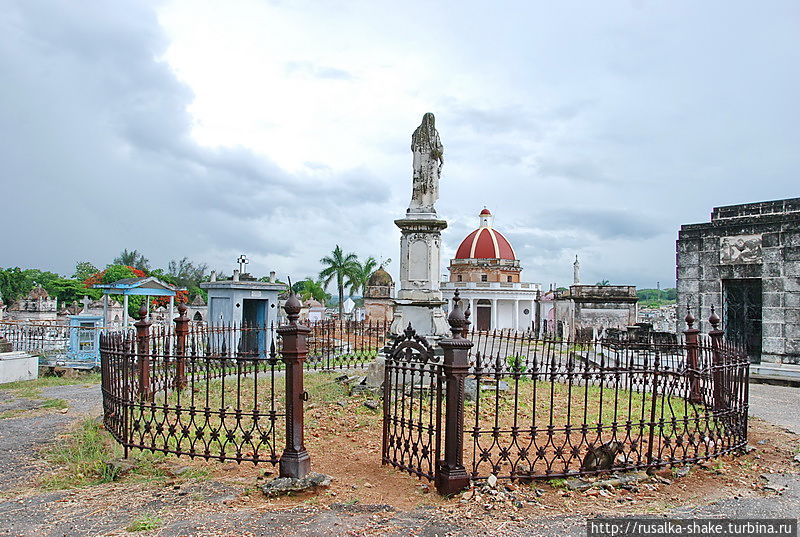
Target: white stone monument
x,y
419,300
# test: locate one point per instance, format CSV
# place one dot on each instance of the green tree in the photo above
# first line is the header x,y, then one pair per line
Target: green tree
x,y
132,259
68,291
357,280
13,284
84,269
118,272
310,288
338,266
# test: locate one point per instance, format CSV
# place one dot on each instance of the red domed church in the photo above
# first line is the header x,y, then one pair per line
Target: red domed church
x,y
487,274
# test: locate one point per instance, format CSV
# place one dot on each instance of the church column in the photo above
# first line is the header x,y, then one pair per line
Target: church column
x,y
494,314
515,315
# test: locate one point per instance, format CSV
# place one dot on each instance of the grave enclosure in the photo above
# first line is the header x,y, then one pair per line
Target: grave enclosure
x,y
489,403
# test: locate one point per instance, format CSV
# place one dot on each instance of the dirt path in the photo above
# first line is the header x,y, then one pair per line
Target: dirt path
x,y
228,502
21,437
776,404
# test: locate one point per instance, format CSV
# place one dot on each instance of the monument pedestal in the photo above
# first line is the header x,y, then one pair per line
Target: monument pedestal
x,y
419,300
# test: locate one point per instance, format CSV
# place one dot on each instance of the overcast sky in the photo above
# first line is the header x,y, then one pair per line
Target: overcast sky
x,y
280,129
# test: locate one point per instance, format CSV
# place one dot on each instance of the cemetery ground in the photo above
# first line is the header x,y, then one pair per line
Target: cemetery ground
x,y
62,474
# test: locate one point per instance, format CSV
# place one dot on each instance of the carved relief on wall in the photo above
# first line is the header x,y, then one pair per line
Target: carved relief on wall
x,y
740,249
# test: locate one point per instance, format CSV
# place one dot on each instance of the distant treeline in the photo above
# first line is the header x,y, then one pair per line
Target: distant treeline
x,y
657,297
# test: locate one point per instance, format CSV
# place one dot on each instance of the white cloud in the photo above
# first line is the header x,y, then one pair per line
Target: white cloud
x,y
280,129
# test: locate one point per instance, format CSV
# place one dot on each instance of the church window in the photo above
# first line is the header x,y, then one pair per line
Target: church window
x,y
459,277
484,278
509,278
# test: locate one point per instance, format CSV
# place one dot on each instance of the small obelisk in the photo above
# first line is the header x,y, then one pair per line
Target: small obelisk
x,y
419,299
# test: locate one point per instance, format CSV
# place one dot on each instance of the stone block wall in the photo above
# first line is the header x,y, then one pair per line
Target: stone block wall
x,y
759,241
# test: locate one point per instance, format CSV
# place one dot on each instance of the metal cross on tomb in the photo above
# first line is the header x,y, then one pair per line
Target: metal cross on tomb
x,y
242,262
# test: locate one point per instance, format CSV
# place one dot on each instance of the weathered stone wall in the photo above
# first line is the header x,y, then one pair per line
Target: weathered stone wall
x,y
750,241
587,309
379,310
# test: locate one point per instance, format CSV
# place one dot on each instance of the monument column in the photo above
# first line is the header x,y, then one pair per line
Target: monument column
x,y
494,314
419,299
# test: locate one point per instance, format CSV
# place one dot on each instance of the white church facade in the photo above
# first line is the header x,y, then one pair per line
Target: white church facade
x,y
487,274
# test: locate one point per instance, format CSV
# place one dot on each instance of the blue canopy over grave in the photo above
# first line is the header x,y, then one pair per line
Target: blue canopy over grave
x,y
149,286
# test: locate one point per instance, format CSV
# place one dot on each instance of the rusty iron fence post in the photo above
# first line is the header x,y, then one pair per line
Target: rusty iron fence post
x,y
181,334
717,367
451,476
653,408
692,358
143,352
127,396
294,461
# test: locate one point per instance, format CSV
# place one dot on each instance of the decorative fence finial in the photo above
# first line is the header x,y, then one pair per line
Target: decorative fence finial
x,y
292,306
456,318
143,311
182,309
689,317
714,319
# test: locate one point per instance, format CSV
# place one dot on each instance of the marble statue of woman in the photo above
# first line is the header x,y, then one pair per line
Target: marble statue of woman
x,y
428,159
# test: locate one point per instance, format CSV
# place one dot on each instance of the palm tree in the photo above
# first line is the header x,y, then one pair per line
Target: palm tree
x,y
603,283
357,281
340,266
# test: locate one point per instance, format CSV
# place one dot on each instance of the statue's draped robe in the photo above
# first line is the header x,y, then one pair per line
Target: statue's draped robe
x,y
428,159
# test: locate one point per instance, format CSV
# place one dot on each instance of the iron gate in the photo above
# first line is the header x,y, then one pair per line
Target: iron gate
x,y
412,405
742,313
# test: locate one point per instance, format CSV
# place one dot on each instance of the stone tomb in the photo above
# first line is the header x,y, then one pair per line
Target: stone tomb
x,y
746,263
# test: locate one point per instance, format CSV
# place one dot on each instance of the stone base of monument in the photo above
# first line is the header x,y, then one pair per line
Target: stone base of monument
x,y
16,366
426,317
281,486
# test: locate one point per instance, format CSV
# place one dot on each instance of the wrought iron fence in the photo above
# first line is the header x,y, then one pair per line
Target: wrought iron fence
x,y
516,406
36,337
192,395
543,408
412,410
216,391
338,344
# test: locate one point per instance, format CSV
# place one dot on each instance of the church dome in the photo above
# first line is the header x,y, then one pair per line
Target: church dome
x,y
485,242
380,278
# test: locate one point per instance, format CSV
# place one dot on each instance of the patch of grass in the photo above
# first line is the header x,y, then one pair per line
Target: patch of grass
x,y
557,482
82,456
719,467
10,413
82,453
27,392
51,380
54,403
145,523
